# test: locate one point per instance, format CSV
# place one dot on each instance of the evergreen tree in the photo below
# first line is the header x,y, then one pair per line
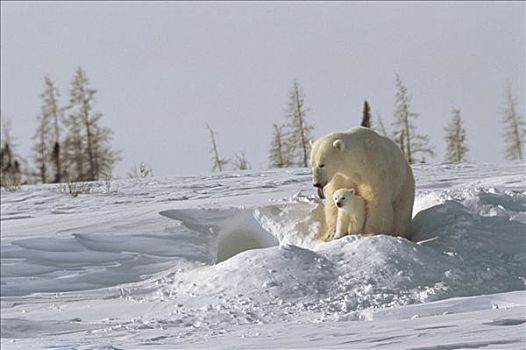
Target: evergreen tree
x,y
405,135
456,139
87,142
514,130
299,128
366,115
217,161
279,154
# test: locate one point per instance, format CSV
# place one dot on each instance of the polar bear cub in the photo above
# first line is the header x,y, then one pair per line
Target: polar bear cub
x,y
351,212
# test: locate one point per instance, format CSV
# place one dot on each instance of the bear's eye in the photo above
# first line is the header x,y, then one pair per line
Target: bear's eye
x,y
322,165
343,198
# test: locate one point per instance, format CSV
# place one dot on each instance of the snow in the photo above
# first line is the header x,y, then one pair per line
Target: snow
x,y
231,260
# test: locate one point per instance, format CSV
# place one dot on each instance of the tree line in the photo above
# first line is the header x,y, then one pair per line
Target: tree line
x,y
70,145
290,143
416,146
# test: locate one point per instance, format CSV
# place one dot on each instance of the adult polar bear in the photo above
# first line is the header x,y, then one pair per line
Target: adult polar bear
x,y
376,168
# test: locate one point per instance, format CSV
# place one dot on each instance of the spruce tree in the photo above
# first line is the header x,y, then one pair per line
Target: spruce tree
x,y
366,115
514,130
299,128
456,139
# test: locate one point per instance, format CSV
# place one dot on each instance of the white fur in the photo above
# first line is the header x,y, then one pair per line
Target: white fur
x,y
351,212
375,167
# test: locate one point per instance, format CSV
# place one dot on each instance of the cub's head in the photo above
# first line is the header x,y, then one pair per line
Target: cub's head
x,y
326,156
343,196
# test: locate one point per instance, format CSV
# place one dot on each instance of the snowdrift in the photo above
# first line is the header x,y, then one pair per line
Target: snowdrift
x,y
196,256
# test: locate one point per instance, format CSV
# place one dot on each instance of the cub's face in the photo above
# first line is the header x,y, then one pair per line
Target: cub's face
x,y
343,196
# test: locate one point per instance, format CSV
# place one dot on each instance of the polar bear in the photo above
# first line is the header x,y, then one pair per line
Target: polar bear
x,y
351,212
376,168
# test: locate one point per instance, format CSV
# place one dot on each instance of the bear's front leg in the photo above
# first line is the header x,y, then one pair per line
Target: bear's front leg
x,y
326,236
379,218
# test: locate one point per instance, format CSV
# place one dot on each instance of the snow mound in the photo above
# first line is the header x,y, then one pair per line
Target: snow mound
x,y
171,261
234,231
459,256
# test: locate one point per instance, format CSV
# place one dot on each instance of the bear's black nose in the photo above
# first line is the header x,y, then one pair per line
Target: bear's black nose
x,y
339,204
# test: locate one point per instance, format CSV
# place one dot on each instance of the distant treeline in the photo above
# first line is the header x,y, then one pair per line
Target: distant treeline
x,y
70,145
290,143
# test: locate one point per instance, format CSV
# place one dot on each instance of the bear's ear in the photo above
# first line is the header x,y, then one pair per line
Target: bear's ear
x,y
311,143
338,144
352,191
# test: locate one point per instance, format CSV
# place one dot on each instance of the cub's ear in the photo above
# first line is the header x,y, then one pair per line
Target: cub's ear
x,y
352,191
311,143
338,144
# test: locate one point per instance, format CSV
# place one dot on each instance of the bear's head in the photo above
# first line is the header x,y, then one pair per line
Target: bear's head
x,y
343,196
326,157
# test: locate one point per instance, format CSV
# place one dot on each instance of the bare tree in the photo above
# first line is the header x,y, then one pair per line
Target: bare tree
x,y
74,156
218,162
143,171
405,135
81,100
300,129
381,126
96,158
42,155
47,147
421,147
366,115
10,169
514,130
456,139
105,157
241,162
51,110
279,154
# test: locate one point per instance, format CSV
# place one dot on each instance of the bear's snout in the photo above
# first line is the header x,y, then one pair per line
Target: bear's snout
x,y
339,204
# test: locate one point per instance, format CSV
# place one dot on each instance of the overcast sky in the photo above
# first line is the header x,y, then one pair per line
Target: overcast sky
x,y
165,70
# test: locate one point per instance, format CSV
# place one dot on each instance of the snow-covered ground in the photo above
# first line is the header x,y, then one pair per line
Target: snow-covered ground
x,y
166,263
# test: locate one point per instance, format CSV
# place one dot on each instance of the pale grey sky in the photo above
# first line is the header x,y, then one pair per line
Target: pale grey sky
x,y
165,69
